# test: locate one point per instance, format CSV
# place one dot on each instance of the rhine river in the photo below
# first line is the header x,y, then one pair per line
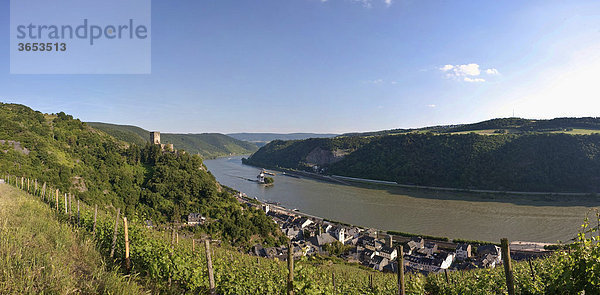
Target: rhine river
x,y
455,215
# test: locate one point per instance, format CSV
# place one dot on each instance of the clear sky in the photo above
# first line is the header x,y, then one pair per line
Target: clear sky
x,y
338,66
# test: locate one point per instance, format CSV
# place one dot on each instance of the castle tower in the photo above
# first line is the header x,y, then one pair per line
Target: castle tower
x,y
155,137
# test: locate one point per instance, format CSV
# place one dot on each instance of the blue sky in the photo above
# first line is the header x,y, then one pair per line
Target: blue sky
x,y
338,66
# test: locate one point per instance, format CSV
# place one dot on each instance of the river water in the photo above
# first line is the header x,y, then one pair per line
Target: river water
x,y
454,215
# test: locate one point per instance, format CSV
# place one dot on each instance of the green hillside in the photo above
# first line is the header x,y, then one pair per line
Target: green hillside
x,y
41,255
528,161
208,145
141,180
126,133
46,256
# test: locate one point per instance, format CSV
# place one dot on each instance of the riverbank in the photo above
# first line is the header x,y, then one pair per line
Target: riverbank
x,y
450,189
345,180
468,216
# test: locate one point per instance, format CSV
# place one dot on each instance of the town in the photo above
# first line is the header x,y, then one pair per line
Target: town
x,y
375,249
372,248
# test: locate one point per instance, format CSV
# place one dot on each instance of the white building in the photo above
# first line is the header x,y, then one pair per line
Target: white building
x,y
195,219
463,251
435,263
338,233
304,222
387,252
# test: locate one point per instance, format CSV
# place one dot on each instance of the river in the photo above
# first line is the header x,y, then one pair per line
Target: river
x,y
455,215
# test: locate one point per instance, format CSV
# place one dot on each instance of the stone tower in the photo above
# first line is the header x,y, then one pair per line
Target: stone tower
x,y
155,137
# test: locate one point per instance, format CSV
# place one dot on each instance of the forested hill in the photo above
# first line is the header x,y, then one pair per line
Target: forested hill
x,y
545,162
586,125
144,181
208,145
263,138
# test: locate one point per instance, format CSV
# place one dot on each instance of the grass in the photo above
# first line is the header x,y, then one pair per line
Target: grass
x,y
41,255
579,131
480,132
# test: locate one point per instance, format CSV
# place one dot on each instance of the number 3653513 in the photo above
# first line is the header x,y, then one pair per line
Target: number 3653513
x,y
42,47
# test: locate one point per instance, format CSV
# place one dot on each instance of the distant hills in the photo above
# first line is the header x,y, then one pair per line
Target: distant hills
x,y
586,125
208,145
558,155
261,139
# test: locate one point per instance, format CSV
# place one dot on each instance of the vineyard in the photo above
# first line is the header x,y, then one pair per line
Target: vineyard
x,y
167,264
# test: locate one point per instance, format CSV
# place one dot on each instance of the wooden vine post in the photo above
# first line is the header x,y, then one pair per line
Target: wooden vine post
x,y
77,212
333,281
56,201
531,268
70,206
66,205
290,258
193,245
211,278
510,281
114,241
400,261
127,261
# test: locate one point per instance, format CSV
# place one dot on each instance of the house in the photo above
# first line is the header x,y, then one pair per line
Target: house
x,y
370,243
415,243
322,239
195,219
387,252
338,233
352,232
293,233
489,260
368,255
266,208
463,251
489,255
421,263
426,264
494,250
303,222
429,249
378,263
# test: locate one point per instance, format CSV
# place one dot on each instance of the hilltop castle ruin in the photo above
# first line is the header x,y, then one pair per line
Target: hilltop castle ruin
x,y
155,139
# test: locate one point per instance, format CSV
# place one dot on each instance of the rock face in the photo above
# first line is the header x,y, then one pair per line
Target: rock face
x,y
319,156
15,145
